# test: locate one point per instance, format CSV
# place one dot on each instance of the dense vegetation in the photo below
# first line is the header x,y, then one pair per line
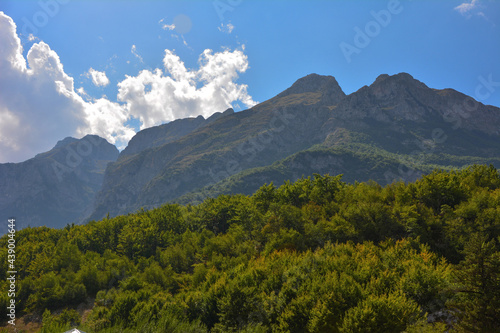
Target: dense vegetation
x,y
317,255
358,162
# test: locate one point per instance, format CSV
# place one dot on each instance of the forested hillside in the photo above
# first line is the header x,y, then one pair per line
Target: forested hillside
x,y
317,255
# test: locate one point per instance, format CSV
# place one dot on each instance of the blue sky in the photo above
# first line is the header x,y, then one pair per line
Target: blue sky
x,y
126,65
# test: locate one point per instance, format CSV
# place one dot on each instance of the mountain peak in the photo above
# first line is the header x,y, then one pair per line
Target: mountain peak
x,y
326,85
314,83
218,115
382,77
64,142
400,79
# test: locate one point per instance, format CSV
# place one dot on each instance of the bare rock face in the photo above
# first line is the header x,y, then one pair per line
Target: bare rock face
x,y
390,99
56,187
398,113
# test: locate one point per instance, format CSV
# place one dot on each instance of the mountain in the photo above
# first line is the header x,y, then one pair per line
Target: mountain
x,y
396,128
56,187
159,135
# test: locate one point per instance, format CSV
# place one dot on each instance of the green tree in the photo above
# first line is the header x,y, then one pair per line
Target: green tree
x,y
265,196
477,278
441,188
384,314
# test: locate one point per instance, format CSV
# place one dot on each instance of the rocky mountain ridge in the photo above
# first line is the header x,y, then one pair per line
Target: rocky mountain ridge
x,y
394,115
159,135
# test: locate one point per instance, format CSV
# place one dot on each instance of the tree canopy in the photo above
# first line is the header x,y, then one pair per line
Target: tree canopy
x,y
315,255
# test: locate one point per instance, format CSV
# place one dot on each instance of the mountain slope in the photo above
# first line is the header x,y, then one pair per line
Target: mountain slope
x,y
159,135
256,137
56,187
360,163
404,124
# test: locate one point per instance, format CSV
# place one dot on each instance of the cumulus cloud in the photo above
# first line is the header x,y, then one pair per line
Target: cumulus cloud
x,y
157,96
98,78
39,104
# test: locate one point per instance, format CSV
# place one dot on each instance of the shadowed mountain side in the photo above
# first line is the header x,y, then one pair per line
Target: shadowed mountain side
x,y
236,142
361,163
56,187
172,131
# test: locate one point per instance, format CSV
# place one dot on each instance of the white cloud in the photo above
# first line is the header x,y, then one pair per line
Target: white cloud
x,y
81,91
165,26
168,26
155,97
134,52
39,104
182,25
473,8
98,78
228,28
466,7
